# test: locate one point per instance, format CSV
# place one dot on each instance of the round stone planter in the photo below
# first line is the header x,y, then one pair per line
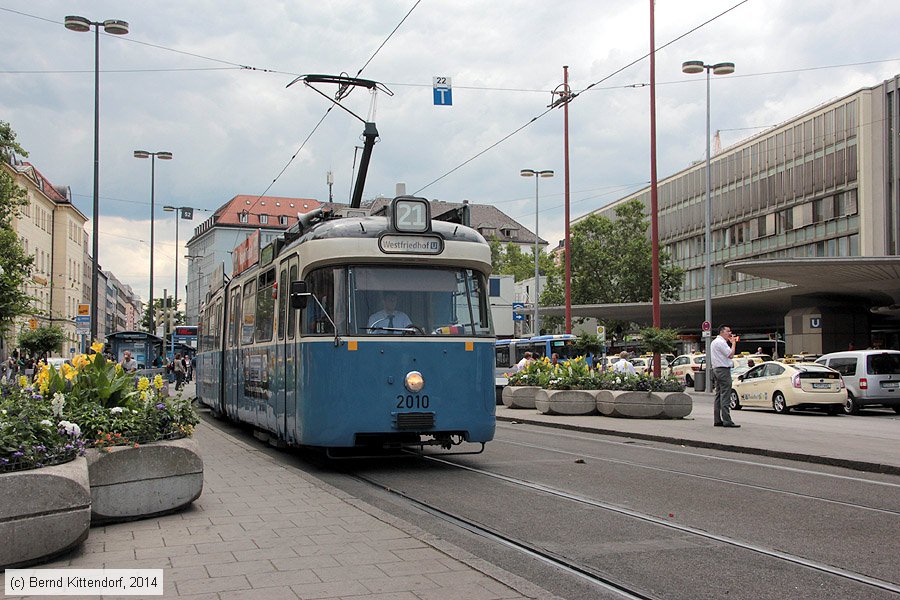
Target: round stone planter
x,y
43,512
566,402
134,483
644,405
520,396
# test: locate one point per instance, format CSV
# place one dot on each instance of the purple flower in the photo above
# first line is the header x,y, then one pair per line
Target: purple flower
x,y
4,461
161,406
69,447
40,448
37,397
18,454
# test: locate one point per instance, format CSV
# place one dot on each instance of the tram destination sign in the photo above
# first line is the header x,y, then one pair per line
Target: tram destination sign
x,y
410,244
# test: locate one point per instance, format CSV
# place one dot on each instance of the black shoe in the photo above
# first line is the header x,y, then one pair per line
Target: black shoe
x,y
730,425
717,424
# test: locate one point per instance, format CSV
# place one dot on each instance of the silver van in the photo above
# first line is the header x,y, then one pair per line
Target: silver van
x,y
872,377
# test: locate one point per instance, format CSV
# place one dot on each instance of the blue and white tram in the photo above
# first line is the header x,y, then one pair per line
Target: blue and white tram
x,y
360,333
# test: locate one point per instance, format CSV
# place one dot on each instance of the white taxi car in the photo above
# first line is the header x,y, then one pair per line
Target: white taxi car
x,y
686,366
785,386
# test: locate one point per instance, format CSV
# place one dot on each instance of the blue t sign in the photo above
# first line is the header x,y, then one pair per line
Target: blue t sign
x,y
443,94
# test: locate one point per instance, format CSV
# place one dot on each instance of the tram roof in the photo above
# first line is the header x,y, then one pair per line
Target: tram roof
x,y
373,227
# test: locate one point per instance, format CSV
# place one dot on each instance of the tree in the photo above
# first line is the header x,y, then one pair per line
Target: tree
x,y
511,260
14,262
659,341
611,261
162,308
42,340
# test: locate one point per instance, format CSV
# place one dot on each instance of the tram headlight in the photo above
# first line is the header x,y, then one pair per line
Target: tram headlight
x,y
414,381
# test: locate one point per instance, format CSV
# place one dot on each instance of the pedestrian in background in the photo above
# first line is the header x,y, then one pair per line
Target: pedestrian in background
x,y
129,365
623,366
722,351
526,360
179,371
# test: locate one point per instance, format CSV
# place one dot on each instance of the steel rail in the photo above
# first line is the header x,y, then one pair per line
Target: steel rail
x,y
791,558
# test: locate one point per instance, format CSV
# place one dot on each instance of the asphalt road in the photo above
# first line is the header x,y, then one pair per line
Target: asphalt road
x,y
827,515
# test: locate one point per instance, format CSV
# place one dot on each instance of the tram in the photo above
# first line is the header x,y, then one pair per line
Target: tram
x,y
356,333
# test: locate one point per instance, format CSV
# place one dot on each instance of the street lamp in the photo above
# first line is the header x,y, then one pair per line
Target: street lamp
x,y
184,212
692,67
537,279
114,27
152,156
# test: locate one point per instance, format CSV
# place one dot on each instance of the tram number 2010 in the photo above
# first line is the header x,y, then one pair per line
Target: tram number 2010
x,y
410,401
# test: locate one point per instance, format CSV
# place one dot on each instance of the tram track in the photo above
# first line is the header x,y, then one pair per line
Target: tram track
x,y
756,548
682,473
582,572
518,544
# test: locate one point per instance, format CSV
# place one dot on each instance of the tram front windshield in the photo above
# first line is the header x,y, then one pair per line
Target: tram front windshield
x,y
380,300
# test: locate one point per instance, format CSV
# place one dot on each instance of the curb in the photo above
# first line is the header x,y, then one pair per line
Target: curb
x,y
856,465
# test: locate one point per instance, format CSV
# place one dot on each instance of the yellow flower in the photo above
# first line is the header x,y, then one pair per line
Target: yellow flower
x,y
97,347
144,396
118,368
23,381
143,384
80,361
158,382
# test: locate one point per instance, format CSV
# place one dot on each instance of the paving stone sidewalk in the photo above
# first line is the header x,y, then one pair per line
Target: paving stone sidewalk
x,y
262,529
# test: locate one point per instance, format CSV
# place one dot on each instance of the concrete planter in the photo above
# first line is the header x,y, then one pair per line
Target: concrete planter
x,y
520,396
134,483
644,405
566,402
43,512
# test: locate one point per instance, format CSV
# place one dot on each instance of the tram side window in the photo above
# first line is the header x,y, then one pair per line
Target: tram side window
x,y
321,285
234,311
201,331
265,306
248,315
217,326
283,292
292,314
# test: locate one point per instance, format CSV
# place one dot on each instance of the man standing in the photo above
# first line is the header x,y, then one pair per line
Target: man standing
x,y
526,360
129,365
623,366
722,351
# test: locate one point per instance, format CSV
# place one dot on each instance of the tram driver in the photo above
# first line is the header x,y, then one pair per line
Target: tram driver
x,y
389,319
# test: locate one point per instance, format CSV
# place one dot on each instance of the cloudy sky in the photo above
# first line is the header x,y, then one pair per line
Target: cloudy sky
x,y
176,83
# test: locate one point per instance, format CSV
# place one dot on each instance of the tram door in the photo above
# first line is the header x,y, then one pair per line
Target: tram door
x,y
288,356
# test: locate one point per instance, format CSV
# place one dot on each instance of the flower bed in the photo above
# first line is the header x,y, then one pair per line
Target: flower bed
x,y
90,404
640,396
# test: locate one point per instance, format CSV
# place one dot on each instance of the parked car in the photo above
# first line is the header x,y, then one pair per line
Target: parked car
x,y
644,364
686,366
872,377
56,362
782,387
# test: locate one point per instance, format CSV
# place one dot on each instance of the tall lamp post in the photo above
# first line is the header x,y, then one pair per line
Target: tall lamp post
x,y
114,27
152,156
537,278
692,67
183,212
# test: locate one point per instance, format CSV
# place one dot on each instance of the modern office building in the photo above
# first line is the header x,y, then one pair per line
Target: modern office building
x,y
805,229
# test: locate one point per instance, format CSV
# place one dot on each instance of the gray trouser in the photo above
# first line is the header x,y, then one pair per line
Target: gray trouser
x,y
722,403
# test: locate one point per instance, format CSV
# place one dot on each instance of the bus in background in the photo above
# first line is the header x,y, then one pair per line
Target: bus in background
x,y
508,353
